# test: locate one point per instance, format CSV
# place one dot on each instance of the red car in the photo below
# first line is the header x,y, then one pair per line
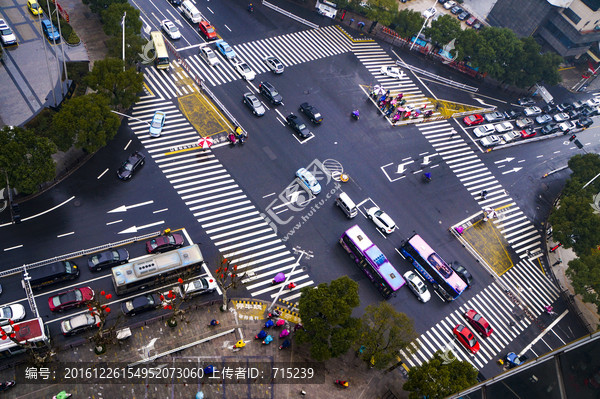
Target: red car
x,y
207,30
478,323
527,133
70,299
466,338
473,120
164,243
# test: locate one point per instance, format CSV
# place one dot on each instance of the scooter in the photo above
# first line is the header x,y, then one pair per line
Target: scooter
x,y
232,138
343,384
285,344
250,8
268,340
355,114
274,313
428,113
6,385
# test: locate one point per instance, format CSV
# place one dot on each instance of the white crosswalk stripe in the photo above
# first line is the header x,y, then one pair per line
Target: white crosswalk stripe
x,y
536,292
218,203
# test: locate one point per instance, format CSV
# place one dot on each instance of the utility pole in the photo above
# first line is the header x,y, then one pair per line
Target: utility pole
x,y
422,27
123,24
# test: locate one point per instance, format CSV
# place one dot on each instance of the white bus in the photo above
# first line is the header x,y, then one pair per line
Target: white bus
x,y
162,57
29,332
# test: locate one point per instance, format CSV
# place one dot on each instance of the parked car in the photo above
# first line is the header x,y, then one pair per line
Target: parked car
x,y
484,130
79,323
543,119
139,304
593,102
157,123
449,4
511,114
471,21
490,141
493,116
456,10
198,287
381,220
274,64
510,136
14,312
254,104
50,31
311,112
70,299
524,122
417,286
567,126
166,242
463,15
561,117
589,111
478,323
308,181
528,133
269,91
128,168
549,128
6,34
170,29
532,111
564,107
503,127
526,101
466,338
107,259
430,12
463,273
477,25
473,120
584,122
578,104
298,126
34,7
574,113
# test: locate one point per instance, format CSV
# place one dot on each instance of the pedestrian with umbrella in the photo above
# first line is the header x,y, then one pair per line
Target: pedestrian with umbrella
x,y
279,278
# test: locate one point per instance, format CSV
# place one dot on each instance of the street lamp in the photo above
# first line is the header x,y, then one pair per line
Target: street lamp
x,y
422,27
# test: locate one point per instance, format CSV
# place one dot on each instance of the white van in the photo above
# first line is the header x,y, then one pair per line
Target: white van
x,y
191,12
346,205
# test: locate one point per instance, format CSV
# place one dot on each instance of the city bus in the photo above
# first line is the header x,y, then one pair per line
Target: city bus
x,y
32,332
157,269
162,57
433,268
371,261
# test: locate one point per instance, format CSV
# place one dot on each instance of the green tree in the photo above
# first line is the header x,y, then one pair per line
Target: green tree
x,y
549,65
468,43
408,23
507,51
382,11
97,6
326,314
443,30
384,332
585,168
88,121
574,224
440,377
121,86
134,46
113,15
584,273
25,159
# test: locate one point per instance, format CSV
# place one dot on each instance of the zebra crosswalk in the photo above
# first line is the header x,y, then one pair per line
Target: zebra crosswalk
x,y
218,203
503,314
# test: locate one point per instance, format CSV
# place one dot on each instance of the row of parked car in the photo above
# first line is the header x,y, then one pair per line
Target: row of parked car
x,y
563,118
461,14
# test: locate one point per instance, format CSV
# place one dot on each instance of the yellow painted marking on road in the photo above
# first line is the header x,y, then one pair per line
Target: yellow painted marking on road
x,y
148,89
541,266
203,115
486,240
449,108
353,40
184,150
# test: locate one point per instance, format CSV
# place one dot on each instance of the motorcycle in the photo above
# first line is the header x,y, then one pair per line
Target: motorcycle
x,y
232,138
62,395
343,384
284,333
428,113
427,177
6,385
285,344
274,313
355,114
250,8
268,340
269,323
261,335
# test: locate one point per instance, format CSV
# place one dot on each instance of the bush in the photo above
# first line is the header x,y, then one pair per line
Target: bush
x,y
41,124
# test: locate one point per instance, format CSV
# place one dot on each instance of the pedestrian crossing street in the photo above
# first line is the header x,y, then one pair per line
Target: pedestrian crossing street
x,y
291,49
233,224
534,292
475,176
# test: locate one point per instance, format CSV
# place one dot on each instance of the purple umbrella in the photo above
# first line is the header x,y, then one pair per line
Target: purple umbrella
x,y
279,278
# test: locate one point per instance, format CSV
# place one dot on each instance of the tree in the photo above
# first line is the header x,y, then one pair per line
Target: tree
x,y
440,377
103,336
408,23
468,43
227,277
134,46
38,355
574,224
382,11
443,30
25,159
113,15
121,86
326,314
173,302
584,273
87,121
585,168
384,332
97,6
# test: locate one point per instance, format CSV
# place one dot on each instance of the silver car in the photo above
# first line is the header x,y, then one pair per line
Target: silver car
x,y
274,64
254,104
493,116
417,286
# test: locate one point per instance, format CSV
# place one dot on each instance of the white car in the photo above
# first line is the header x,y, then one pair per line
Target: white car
x,y
245,71
449,4
510,136
532,111
503,127
561,117
593,102
567,126
6,34
308,181
209,56
430,12
200,286
484,130
524,122
13,312
392,72
417,286
381,220
490,141
170,29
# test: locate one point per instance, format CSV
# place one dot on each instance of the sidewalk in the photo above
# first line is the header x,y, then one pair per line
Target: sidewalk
x,y
243,321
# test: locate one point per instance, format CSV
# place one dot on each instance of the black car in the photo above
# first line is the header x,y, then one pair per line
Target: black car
x,y
584,122
269,91
526,101
564,107
108,259
463,15
550,128
463,274
573,114
511,114
477,26
135,161
313,114
175,2
139,304
549,109
299,127
456,10
588,111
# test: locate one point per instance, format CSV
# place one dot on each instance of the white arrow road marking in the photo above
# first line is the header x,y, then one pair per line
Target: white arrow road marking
x,y
507,159
482,102
512,170
124,208
135,229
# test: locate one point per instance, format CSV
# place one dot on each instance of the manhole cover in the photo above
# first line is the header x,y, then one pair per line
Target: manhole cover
x,y
330,166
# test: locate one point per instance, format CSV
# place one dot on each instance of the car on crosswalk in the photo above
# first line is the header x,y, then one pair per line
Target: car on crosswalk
x,y
225,49
274,64
466,338
170,29
484,130
157,123
391,71
254,104
209,56
245,71
478,323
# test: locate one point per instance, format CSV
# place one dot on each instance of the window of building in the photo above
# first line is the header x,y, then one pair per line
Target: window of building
x,y
594,5
572,16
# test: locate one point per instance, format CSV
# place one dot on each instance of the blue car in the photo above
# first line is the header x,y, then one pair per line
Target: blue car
x,y
50,31
225,49
158,121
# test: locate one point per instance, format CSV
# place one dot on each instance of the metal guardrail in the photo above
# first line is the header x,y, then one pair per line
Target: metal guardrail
x,y
436,77
289,15
476,111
